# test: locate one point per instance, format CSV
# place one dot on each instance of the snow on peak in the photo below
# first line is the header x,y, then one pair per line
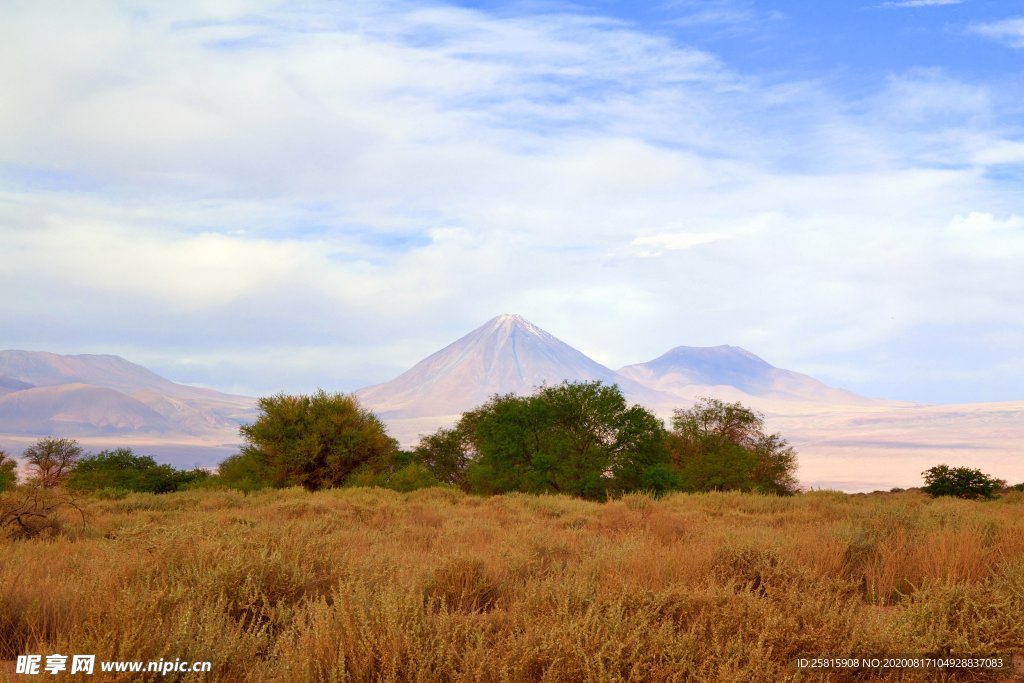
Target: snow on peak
x,y
511,321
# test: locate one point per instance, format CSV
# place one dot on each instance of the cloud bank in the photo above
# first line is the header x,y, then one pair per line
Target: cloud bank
x,y
263,196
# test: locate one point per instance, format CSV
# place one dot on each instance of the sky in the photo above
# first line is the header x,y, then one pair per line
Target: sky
x,y
265,196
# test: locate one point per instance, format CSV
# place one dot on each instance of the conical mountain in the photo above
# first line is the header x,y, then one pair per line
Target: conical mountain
x,y
507,354
691,371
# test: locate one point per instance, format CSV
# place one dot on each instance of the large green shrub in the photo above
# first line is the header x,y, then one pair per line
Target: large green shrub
x,y
315,441
961,482
721,446
580,438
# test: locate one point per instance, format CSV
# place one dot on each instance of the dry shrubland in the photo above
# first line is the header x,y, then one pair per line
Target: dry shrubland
x,y
435,585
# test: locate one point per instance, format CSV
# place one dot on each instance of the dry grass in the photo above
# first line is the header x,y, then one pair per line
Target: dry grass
x,y
435,585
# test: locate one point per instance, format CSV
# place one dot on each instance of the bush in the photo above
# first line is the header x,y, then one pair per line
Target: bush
x,y
111,493
961,482
411,477
34,510
244,471
8,472
121,469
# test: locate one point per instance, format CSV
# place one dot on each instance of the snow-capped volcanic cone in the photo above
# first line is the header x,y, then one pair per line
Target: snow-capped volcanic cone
x,y
507,354
731,373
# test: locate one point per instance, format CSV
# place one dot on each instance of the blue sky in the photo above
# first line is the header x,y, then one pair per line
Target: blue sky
x,y
262,196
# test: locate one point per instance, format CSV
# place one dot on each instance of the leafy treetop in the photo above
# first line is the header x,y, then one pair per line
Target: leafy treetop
x,y
314,441
51,460
724,446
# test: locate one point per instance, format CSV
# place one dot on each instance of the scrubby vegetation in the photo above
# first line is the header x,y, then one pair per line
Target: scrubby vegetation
x,y
434,585
120,471
577,438
31,511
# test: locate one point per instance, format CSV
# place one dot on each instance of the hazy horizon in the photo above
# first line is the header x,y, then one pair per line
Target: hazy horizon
x,y
269,196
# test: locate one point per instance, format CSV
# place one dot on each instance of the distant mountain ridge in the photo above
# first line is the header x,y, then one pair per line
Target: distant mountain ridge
x,y
45,393
41,368
688,370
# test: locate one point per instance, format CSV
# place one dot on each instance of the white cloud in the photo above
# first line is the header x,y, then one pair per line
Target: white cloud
x,y
1009,31
988,234
656,245
230,180
977,223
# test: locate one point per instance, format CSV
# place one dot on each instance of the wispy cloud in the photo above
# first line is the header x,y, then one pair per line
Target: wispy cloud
x,y
656,245
1009,31
919,3
721,17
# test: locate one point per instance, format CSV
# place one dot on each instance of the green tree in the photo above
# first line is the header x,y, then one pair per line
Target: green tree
x,y
8,471
446,454
315,441
961,482
122,469
51,460
579,438
720,446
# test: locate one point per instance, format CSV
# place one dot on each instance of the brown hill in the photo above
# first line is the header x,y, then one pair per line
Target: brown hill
x,y
109,402
77,410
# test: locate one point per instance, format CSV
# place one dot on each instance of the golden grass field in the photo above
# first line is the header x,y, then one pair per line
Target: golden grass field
x,y
437,585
